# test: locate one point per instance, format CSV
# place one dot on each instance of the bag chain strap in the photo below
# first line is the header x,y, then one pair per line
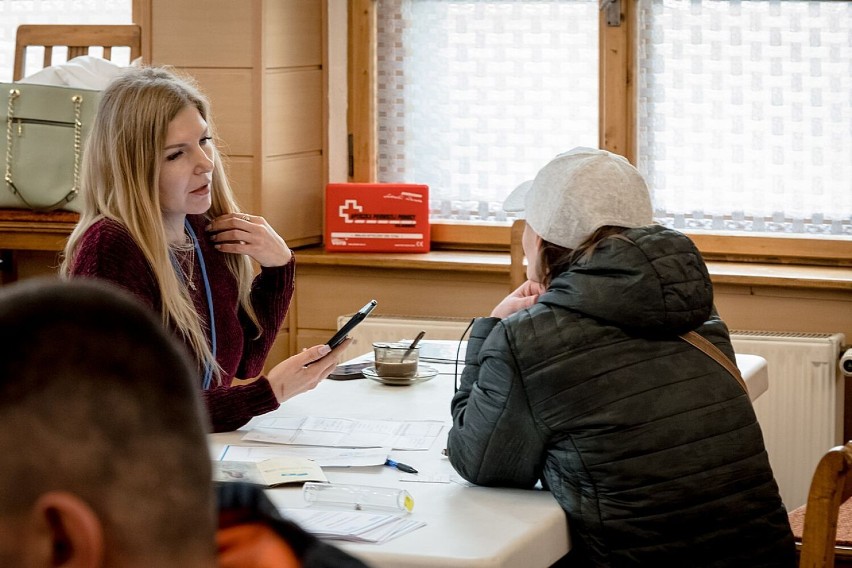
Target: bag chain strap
x,y
78,139
10,111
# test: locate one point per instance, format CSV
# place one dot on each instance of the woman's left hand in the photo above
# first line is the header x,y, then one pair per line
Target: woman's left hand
x,y
240,233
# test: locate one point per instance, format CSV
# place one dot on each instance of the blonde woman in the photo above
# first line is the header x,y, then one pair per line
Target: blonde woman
x,y
160,220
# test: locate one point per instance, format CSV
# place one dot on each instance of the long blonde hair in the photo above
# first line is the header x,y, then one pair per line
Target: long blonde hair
x,y
120,181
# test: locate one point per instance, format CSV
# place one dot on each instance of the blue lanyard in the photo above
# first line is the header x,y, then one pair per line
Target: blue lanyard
x,y
208,367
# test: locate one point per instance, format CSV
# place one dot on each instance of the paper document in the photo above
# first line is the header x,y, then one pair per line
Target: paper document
x,y
324,457
441,350
347,433
356,526
425,478
269,473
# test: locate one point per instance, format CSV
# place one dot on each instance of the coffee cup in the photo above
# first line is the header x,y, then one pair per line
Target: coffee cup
x,y
396,360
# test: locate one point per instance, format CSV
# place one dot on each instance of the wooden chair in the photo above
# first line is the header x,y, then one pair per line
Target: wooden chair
x,y
831,486
22,229
78,39
517,268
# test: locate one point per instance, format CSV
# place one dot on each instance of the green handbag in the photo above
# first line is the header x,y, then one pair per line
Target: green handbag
x,y
43,144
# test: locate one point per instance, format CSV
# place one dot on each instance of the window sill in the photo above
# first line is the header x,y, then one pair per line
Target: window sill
x,y
744,273
738,273
457,260
721,246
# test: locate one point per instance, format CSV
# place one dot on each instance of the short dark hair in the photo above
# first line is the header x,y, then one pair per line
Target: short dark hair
x,y
97,399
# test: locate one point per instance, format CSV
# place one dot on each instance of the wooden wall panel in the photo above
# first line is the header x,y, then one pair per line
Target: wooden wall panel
x,y
231,97
292,196
325,293
293,112
780,310
305,339
262,63
36,263
280,350
213,33
241,173
292,33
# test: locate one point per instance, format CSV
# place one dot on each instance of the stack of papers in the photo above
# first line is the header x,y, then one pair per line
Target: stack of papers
x,y
442,351
324,457
355,526
328,442
342,432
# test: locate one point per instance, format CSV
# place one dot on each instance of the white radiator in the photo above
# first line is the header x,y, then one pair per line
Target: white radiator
x,y
801,414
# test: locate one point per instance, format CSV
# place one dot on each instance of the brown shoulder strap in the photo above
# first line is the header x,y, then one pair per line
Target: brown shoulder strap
x,y
713,352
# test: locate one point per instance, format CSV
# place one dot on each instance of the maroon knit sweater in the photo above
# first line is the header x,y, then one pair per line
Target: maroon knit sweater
x,y
107,251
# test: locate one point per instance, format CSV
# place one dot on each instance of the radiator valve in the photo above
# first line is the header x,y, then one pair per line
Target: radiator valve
x,y
846,362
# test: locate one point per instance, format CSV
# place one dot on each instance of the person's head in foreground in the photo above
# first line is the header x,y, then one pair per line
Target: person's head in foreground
x,y
105,461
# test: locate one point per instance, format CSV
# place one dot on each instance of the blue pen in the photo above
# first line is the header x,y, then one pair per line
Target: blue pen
x,y
400,466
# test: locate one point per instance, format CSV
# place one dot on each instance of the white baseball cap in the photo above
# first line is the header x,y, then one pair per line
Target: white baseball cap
x,y
580,191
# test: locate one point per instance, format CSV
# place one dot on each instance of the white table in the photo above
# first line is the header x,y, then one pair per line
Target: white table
x,y
466,526
755,374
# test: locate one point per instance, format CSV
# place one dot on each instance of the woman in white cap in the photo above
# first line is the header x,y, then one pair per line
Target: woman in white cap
x,y
580,380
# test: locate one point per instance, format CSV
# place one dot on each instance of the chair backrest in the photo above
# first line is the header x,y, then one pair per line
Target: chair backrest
x,y
830,487
78,40
517,269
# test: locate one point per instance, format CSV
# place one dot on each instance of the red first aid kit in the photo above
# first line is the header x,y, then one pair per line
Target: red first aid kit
x,y
377,217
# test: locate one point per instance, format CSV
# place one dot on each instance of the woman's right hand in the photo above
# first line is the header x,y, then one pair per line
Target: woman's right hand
x,y
291,376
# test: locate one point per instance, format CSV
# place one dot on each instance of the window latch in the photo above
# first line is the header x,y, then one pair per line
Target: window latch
x,y
612,8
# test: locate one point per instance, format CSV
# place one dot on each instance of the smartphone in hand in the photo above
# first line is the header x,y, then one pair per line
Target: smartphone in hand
x,y
343,332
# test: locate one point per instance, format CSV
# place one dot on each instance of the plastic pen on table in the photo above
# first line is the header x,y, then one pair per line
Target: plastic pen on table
x,y
400,466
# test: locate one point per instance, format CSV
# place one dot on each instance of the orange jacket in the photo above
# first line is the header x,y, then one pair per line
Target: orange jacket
x,y
252,534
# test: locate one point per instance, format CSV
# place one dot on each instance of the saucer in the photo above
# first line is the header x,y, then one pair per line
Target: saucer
x,y
424,373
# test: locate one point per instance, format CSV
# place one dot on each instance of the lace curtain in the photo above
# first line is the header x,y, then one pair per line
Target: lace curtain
x,y
745,114
744,110
16,12
475,95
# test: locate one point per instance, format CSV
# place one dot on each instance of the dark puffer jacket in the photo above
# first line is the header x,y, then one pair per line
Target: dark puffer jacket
x,y
650,446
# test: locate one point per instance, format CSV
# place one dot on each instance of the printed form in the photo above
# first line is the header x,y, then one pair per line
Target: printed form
x,y
355,526
347,433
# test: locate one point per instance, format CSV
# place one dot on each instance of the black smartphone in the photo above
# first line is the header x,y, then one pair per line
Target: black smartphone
x,y
350,371
341,334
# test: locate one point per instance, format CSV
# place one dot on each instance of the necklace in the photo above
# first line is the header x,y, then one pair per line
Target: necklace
x,y
190,278
187,258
